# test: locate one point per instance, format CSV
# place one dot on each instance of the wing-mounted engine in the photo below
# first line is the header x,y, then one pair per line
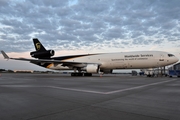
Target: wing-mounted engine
x,y
91,68
42,54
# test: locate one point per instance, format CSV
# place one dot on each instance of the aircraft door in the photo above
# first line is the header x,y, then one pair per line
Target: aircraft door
x,y
161,58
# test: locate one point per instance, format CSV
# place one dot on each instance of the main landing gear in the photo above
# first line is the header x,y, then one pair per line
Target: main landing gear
x,y
153,75
81,74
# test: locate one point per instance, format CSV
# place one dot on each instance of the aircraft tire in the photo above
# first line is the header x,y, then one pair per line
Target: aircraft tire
x,y
148,75
87,74
76,74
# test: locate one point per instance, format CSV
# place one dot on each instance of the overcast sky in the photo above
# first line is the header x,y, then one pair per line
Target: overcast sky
x,y
88,26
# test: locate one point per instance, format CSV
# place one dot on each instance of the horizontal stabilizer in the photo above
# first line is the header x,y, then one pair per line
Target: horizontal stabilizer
x,y
5,55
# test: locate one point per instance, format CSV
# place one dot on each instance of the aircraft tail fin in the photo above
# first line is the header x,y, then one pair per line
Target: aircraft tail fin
x,y
5,55
41,52
38,46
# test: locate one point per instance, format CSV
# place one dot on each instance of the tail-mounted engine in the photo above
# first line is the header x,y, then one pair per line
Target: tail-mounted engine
x,y
42,54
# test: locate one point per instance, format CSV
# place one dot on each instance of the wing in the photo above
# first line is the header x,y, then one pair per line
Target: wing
x,y
64,63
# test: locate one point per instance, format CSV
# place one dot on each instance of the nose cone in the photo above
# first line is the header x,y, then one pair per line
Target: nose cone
x,y
176,59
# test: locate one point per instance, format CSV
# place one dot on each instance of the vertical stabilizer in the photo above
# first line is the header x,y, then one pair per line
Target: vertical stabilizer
x,y
41,52
38,46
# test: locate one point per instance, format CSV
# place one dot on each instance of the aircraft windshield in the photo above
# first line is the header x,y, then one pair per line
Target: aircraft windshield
x,y
170,55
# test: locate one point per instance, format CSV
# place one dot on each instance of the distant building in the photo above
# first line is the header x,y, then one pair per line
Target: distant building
x,y
23,71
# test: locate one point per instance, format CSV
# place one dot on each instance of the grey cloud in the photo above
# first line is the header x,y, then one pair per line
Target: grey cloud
x,y
3,2
50,3
17,27
169,25
84,23
136,34
142,41
114,33
69,23
82,33
63,12
125,43
99,25
92,7
89,39
158,41
10,22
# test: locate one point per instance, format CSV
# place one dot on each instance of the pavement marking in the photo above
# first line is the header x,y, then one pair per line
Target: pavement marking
x,y
91,91
79,90
112,92
127,89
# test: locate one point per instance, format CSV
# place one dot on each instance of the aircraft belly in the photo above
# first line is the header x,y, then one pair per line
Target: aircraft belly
x,y
143,64
114,65
120,65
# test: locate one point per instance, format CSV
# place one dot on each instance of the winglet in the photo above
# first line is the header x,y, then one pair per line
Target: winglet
x,y
5,55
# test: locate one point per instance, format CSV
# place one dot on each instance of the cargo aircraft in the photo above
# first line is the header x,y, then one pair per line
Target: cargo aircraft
x,y
86,64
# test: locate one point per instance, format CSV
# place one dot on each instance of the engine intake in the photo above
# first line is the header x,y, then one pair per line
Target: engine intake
x,y
91,68
42,54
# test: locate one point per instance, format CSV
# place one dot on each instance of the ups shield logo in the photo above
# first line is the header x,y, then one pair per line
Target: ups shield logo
x,y
38,46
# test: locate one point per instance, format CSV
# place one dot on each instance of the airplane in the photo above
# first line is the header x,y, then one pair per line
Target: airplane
x,y
87,64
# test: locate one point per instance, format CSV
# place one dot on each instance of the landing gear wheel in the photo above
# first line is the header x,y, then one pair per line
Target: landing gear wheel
x,y
148,75
87,74
76,74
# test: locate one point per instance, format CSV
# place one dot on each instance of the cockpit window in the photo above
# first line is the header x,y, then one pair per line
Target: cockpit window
x,y
170,55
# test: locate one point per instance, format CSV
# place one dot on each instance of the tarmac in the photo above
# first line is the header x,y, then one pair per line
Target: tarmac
x,y
110,97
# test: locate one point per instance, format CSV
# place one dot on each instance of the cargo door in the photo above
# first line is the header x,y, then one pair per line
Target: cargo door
x,y
161,58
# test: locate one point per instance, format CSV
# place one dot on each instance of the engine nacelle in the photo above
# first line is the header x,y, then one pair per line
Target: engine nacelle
x,y
43,54
91,68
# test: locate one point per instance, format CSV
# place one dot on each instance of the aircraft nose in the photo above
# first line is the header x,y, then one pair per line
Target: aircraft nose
x,y
176,59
